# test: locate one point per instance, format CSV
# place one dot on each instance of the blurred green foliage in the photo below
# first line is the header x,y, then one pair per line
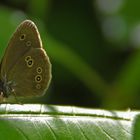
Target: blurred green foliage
x,y
93,46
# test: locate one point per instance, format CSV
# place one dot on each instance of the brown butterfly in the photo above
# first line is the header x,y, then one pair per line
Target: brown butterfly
x,y
25,67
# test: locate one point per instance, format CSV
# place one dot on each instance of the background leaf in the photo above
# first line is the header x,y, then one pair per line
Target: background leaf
x,y
93,47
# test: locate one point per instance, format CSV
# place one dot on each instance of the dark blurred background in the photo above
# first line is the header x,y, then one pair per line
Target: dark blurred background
x,y
93,46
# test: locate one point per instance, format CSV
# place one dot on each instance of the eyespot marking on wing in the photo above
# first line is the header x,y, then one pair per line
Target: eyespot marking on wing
x,y
38,78
30,63
39,70
27,58
38,86
22,37
28,43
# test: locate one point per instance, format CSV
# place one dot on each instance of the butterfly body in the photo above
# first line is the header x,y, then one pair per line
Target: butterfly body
x,y
25,67
5,88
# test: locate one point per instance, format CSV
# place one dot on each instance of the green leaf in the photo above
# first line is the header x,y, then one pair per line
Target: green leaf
x,y
41,122
62,54
137,128
127,82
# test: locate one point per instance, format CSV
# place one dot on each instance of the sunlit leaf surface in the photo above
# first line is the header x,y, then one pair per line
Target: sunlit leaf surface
x,y
41,122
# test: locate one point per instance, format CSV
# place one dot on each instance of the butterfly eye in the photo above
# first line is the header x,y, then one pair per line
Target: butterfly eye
x,y
38,78
22,37
30,63
28,43
27,58
39,70
38,86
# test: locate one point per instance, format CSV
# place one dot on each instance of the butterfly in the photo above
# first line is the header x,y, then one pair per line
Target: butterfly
x,y
25,69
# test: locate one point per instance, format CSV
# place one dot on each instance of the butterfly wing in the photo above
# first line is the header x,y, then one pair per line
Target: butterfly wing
x,y
25,63
25,37
31,77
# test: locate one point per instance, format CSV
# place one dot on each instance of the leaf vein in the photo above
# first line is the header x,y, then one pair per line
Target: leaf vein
x,y
51,130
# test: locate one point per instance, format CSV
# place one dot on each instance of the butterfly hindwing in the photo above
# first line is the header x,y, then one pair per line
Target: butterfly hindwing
x,y
31,75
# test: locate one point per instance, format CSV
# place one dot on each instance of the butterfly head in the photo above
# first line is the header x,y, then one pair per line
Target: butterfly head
x,y
6,88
